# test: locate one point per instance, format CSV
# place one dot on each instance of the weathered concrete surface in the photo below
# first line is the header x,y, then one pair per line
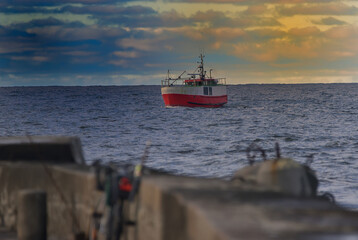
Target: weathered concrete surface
x,y
173,208
177,208
31,215
71,195
281,175
55,149
53,164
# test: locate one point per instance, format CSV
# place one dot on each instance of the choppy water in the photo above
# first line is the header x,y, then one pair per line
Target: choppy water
x,y
115,122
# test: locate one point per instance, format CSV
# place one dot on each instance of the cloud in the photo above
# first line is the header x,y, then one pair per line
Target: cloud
x,y
73,34
80,53
32,58
42,3
50,21
256,9
53,46
108,10
88,7
304,32
126,54
252,2
329,21
220,19
140,17
260,35
113,38
10,33
336,8
15,9
148,20
342,32
227,33
276,49
301,47
149,44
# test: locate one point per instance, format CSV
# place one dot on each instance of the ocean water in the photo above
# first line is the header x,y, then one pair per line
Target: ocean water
x,y
115,122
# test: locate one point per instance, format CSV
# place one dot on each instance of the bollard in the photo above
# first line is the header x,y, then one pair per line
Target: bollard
x,y
31,216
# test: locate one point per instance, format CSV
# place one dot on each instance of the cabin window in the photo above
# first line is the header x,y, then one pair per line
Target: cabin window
x,y
208,90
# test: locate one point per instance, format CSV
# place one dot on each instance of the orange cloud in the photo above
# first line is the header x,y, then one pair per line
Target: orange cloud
x,y
300,46
304,32
256,9
276,49
329,21
318,9
226,33
342,32
296,44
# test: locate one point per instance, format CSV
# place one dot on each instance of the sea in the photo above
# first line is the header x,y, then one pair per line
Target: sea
x,y
114,123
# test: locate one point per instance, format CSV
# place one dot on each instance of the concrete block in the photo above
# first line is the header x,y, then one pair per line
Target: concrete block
x,y
180,208
75,182
54,149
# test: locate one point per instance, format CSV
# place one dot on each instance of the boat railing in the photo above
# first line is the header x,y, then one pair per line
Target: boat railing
x,y
172,82
168,82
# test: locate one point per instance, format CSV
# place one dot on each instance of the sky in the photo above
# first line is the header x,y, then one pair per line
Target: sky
x,y
128,42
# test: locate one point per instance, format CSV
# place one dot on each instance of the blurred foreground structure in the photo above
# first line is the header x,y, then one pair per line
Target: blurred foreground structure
x,y
52,169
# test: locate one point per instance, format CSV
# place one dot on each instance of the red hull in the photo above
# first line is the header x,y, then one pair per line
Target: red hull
x,y
193,100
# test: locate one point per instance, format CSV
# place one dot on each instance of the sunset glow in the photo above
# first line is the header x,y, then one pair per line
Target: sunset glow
x,y
93,42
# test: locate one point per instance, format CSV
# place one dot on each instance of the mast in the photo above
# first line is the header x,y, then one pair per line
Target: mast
x,y
201,67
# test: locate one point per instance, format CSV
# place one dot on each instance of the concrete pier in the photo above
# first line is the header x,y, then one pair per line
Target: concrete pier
x,y
171,207
174,207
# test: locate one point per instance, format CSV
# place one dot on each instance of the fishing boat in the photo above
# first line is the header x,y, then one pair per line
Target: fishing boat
x,y
197,90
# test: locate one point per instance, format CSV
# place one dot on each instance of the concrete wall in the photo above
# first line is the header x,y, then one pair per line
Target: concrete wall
x,y
74,182
177,208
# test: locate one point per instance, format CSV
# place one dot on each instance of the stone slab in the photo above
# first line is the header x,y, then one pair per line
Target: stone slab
x,y
192,208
